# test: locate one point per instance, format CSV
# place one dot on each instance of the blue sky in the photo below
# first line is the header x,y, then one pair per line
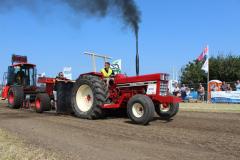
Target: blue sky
x,y
172,33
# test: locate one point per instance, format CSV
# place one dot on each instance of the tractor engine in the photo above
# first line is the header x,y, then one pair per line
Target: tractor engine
x,y
152,85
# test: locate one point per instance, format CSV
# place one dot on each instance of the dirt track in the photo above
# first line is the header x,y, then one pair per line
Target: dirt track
x,y
191,135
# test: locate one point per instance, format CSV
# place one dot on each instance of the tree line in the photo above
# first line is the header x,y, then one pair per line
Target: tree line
x,y
222,67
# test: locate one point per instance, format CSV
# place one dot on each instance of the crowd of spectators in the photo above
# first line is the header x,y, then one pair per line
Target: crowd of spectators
x,y
183,91
227,86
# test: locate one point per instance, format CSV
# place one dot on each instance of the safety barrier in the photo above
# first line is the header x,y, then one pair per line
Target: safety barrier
x,y
192,96
225,97
224,100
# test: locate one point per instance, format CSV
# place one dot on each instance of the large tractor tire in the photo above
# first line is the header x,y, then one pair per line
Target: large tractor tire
x,y
63,97
15,97
88,96
167,111
140,109
42,102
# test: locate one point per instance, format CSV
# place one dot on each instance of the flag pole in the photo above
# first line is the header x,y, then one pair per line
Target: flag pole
x,y
208,56
205,67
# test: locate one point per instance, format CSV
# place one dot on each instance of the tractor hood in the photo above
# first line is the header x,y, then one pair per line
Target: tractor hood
x,y
122,79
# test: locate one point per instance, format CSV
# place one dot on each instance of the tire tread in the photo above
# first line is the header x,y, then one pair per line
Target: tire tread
x,y
100,95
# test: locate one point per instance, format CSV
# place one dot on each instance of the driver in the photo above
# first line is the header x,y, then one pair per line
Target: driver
x,y
107,71
20,77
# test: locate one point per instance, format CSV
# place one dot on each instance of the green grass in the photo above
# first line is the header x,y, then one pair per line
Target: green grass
x,y
12,148
209,107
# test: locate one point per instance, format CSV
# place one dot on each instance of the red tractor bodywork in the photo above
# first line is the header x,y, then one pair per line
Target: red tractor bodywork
x,y
5,92
49,82
122,88
27,88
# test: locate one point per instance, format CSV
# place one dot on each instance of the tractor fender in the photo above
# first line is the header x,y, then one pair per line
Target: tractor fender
x,y
166,99
5,92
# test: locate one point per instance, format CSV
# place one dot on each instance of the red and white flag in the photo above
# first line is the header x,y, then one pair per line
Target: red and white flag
x,y
205,66
203,55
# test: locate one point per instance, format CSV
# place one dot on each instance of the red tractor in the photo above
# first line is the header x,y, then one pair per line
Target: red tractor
x,y
91,95
20,87
141,95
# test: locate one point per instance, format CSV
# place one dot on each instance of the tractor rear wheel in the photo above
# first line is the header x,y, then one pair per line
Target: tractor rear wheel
x,y
15,97
140,109
88,96
42,102
167,110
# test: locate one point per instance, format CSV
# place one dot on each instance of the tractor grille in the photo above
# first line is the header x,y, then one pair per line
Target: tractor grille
x,y
163,88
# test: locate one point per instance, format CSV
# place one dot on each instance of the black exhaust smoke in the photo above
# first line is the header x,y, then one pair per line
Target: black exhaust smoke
x,y
126,9
131,16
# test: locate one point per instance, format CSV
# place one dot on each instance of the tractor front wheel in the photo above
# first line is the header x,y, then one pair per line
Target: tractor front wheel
x,y
140,109
15,97
167,110
42,102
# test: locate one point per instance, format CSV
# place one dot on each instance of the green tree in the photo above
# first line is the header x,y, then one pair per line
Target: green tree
x,y
224,68
192,74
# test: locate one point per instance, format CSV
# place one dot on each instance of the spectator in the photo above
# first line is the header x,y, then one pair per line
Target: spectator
x,y
229,88
224,86
60,76
176,91
188,91
201,92
183,92
214,87
237,85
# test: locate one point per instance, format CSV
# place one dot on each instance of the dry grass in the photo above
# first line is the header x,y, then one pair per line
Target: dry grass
x,y
12,148
2,101
209,107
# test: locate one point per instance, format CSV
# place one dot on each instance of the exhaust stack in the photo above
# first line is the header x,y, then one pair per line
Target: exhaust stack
x,y
137,56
